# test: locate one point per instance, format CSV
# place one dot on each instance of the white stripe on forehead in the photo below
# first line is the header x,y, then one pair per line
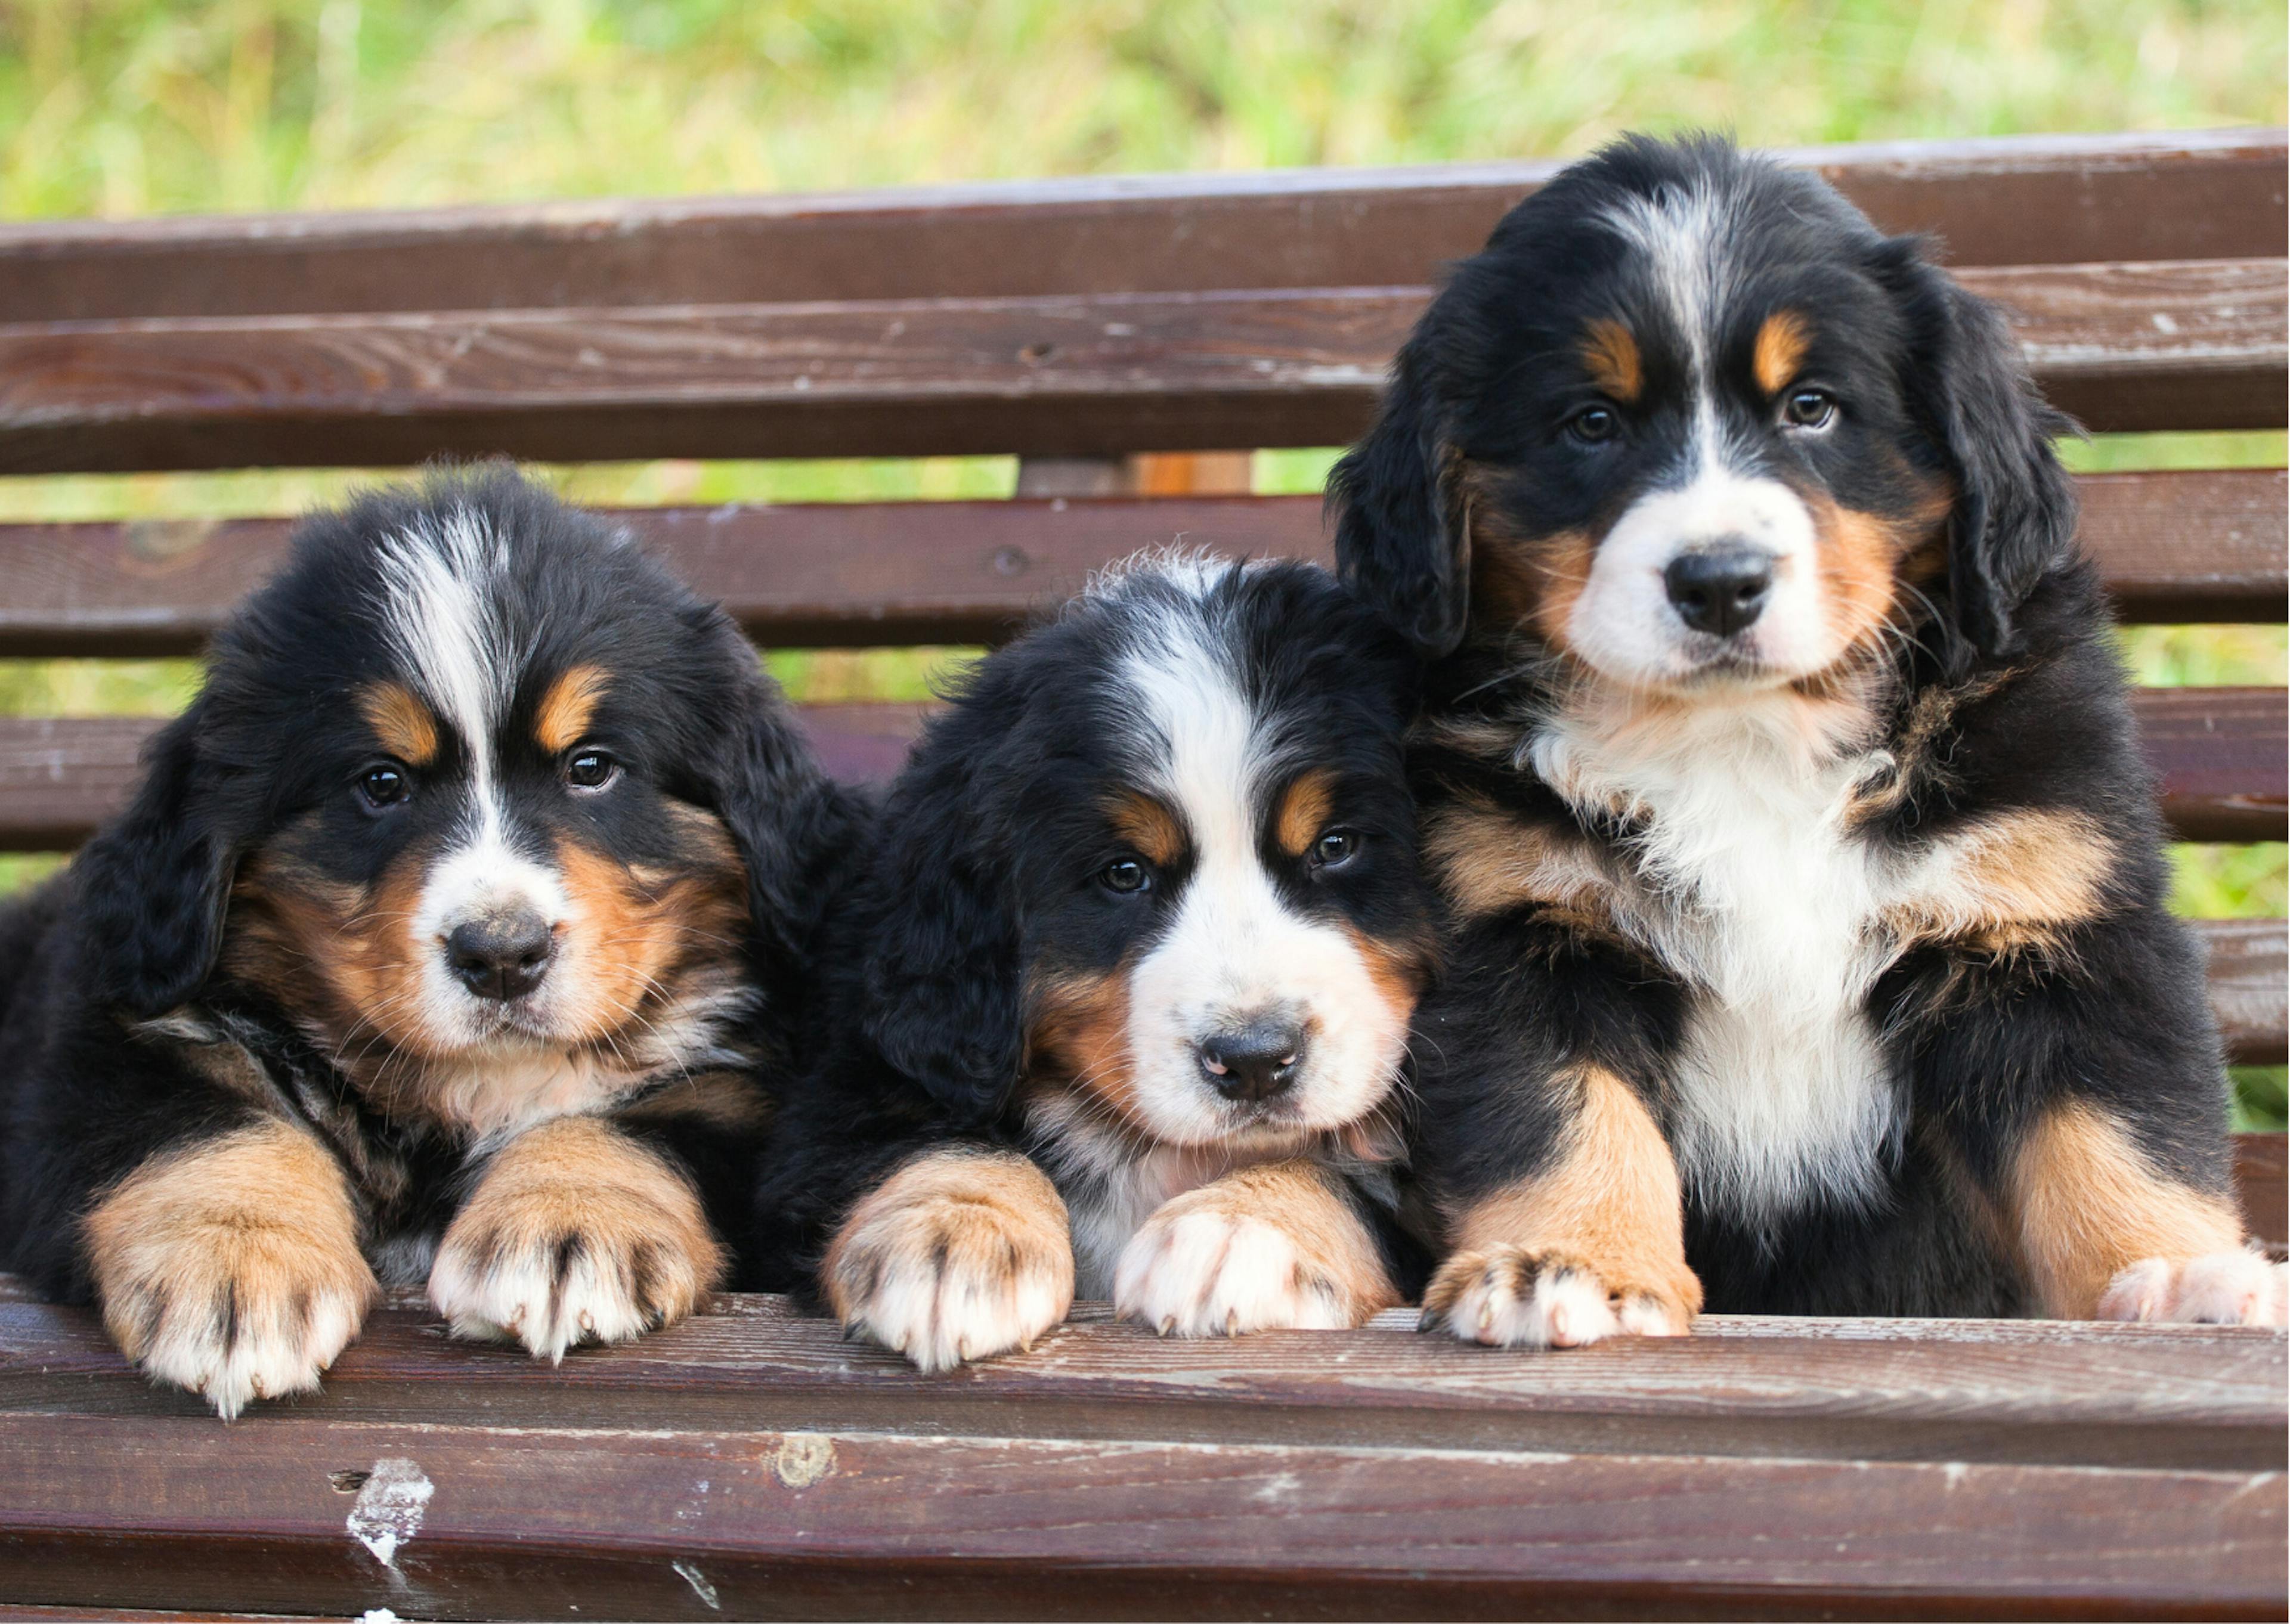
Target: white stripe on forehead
x,y
441,620
1681,232
1196,722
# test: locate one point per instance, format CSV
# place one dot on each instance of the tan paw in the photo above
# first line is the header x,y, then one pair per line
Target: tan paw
x,y
1263,1250
958,1255
2220,1288
1512,1296
232,1269
576,1234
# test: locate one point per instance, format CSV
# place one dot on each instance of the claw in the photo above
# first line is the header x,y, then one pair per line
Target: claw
x,y
1168,1323
1562,1329
587,1320
1232,1322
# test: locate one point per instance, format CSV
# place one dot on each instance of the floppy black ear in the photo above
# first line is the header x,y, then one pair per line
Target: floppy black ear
x,y
2015,508
941,985
151,889
1402,536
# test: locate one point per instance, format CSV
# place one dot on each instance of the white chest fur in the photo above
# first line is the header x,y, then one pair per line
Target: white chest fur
x,y
1752,890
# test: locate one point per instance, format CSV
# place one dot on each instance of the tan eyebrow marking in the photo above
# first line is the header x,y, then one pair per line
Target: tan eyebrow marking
x,y
1781,347
1611,355
1304,808
401,722
1149,826
566,707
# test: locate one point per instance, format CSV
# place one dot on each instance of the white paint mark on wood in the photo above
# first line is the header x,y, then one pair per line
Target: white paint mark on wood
x,y
390,1508
698,1580
803,1459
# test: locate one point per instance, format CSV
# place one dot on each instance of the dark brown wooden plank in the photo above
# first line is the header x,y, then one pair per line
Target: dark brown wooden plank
x,y
2223,755
2018,201
2153,1397
2250,986
2219,751
828,1524
2193,546
2144,346
2262,1173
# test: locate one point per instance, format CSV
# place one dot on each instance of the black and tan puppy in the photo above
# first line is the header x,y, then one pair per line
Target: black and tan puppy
x,y
1131,971
446,939
1811,951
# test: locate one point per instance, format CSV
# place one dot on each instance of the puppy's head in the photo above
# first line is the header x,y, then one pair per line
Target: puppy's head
x,y
1159,856
1689,422
472,780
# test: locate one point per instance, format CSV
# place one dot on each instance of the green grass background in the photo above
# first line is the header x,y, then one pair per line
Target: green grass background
x,y
117,108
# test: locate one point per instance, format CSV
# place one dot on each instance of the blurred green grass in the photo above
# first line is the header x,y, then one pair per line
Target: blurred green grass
x,y
121,108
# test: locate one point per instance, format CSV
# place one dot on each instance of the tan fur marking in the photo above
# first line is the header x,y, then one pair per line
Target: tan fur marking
x,y
2087,1205
1610,354
1336,1259
1861,559
1782,343
1078,1032
960,1254
1486,863
1528,582
401,723
1396,970
342,957
2011,881
728,1100
1611,1200
635,930
1305,806
238,1249
563,717
1152,830
638,1215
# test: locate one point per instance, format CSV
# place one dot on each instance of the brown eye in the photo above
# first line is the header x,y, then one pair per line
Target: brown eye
x,y
1125,877
1594,425
1335,849
382,785
591,770
1809,409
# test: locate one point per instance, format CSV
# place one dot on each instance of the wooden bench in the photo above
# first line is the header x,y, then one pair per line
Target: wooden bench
x,y
1122,337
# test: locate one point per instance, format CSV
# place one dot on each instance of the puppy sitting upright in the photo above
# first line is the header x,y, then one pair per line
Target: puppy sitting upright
x,y
1128,982
1810,922
441,942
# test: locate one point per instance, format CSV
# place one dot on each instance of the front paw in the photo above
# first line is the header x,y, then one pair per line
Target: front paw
x,y
1218,1262
2220,1288
577,1234
233,1269
958,1255
1516,1297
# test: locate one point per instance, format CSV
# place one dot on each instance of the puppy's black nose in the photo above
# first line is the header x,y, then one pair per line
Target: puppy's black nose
x,y
1720,591
1254,1062
502,955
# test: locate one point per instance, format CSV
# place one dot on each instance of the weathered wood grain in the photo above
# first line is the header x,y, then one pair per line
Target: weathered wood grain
x,y
2220,753
2040,200
2262,1172
2174,1398
637,1524
2249,985
2184,345
2179,546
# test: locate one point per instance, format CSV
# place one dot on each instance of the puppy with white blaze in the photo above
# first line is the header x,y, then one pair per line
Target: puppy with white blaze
x,y
1808,949
1123,988
452,936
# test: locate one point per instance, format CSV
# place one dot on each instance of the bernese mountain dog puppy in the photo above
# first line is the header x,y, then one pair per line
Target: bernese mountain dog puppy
x,y
1809,950
1130,975
449,938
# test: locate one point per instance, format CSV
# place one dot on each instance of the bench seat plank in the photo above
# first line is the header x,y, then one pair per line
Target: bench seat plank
x,y
1770,1467
2027,200
2220,753
2135,346
2179,546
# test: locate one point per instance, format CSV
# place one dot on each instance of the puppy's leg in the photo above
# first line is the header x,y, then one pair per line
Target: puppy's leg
x,y
1591,1246
231,1267
2104,1234
1262,1249
964,1252
576,1233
